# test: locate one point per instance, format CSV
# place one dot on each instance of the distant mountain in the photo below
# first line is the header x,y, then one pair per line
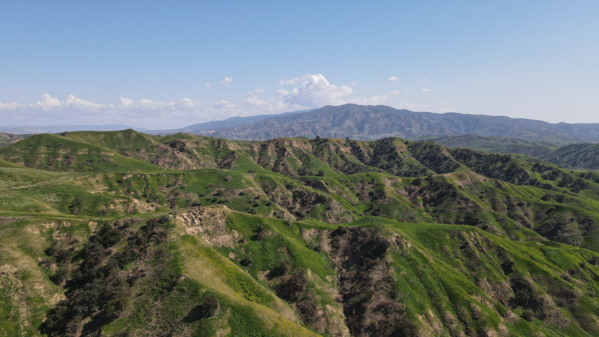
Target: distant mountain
x,y
495,144
8,138
375,122
582,156
221,124
26,129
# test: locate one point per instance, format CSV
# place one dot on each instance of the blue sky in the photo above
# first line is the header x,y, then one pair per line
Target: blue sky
x,y
148,63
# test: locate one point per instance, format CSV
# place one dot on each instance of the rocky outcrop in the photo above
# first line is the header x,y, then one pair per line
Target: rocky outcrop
x,y
209,224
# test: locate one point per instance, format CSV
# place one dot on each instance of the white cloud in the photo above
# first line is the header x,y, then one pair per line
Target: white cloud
x,y
208,85
222,104
309,91
315,91
48,101
425,90
258,91
352,83
294,80
422,80
9,106
393,79
126,101
227,81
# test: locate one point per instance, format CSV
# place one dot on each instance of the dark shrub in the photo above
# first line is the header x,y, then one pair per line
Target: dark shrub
x,y
60,275
528,315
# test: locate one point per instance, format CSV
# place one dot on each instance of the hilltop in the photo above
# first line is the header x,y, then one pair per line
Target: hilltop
x,y
292,236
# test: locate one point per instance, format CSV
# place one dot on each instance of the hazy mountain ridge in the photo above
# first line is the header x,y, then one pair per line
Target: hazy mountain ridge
x,y
222,124
374,122
26,129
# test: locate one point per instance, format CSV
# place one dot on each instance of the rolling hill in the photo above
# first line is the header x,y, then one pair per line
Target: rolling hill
x,y
580,156
59,153
495,144
292,237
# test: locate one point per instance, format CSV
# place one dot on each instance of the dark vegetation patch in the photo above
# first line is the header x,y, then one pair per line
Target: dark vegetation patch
x,y
127,282
371,304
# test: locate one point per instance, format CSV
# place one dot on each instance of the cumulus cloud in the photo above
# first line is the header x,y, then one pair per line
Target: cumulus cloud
x,y
73,110
425,90
48,102
393,79
294,80
222,104
126,101
208,85
303,92
227,81
314,91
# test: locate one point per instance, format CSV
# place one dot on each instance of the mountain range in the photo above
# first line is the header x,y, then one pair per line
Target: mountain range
x,y
126,234
375,122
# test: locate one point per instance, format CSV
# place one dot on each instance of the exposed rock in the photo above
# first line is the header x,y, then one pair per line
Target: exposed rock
x,y
209,224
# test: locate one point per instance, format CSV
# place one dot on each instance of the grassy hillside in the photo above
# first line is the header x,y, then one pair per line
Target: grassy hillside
x,y
58,153
4,163
292,237
577,156
495,144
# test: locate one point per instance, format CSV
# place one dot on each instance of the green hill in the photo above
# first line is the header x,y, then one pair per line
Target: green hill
x,y
190,235
4,163
57,153
495,144
578,156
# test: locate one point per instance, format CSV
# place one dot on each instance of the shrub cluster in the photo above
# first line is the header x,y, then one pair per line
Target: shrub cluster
x,y
98,287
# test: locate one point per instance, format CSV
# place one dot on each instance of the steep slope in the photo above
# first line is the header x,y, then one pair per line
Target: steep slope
x,y
495,144
215,272
296,237
336,180
375,122
579,156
